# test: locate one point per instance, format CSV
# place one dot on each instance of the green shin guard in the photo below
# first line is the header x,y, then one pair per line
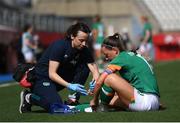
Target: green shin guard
x,y
106,94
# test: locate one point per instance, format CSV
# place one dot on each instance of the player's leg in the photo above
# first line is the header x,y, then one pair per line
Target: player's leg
x,y
143,50
29,58
117,103
150,48
123,89
106,94
110,99
129,97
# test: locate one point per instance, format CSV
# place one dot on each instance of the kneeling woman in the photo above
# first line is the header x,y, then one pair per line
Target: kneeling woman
x,y
134,88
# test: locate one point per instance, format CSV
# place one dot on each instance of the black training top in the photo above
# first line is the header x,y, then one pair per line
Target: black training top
x,y
68,57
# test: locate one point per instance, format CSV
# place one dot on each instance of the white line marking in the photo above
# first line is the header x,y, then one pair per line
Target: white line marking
x,y
8,84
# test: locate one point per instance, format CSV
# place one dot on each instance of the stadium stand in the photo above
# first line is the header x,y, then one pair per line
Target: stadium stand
x,y
52,17
17,17
166,12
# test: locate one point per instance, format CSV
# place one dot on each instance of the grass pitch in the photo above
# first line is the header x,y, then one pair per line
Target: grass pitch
x,y
168,77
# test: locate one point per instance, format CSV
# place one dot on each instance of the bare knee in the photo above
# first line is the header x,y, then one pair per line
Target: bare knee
x,y
110,79
123,89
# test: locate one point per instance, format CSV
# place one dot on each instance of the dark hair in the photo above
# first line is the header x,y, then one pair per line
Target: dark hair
x,y
73,30
26,27
114,41
98,18
144,18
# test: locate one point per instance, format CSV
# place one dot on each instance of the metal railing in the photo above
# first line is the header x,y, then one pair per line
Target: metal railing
x,y
41,22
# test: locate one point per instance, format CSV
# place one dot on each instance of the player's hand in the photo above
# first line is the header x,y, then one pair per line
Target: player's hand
x,y
94,104
78,88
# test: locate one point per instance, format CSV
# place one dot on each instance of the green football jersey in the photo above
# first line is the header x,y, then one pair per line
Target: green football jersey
x,y
136,70
147,26
100,27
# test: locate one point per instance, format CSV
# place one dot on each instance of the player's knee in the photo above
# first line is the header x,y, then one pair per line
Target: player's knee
x,y
110,79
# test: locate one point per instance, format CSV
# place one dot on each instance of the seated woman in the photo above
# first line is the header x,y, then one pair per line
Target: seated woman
x,y
134,88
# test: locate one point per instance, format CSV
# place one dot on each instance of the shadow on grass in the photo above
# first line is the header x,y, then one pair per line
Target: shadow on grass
x,y
39,111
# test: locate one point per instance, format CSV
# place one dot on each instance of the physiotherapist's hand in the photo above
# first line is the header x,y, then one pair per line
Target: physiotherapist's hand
x,y
78,88
92,85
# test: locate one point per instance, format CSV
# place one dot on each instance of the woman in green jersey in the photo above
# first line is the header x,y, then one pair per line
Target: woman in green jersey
x,y
134,88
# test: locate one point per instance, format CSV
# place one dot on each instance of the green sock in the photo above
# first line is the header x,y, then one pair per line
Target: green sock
x,y
82,107
106,94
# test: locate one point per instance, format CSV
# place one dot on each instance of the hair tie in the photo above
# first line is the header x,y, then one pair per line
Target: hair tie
x,y
117,36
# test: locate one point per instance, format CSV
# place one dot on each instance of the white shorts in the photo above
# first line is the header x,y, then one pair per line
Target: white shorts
x,y
144,102
145,48
28,56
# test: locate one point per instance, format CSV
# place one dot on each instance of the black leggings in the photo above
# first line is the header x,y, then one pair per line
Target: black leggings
x,y
45,91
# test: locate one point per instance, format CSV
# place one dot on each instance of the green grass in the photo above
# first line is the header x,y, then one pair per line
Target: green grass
x,y
168,77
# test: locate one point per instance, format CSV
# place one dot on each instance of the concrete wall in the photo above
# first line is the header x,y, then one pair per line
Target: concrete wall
x,y
83,7
116,14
